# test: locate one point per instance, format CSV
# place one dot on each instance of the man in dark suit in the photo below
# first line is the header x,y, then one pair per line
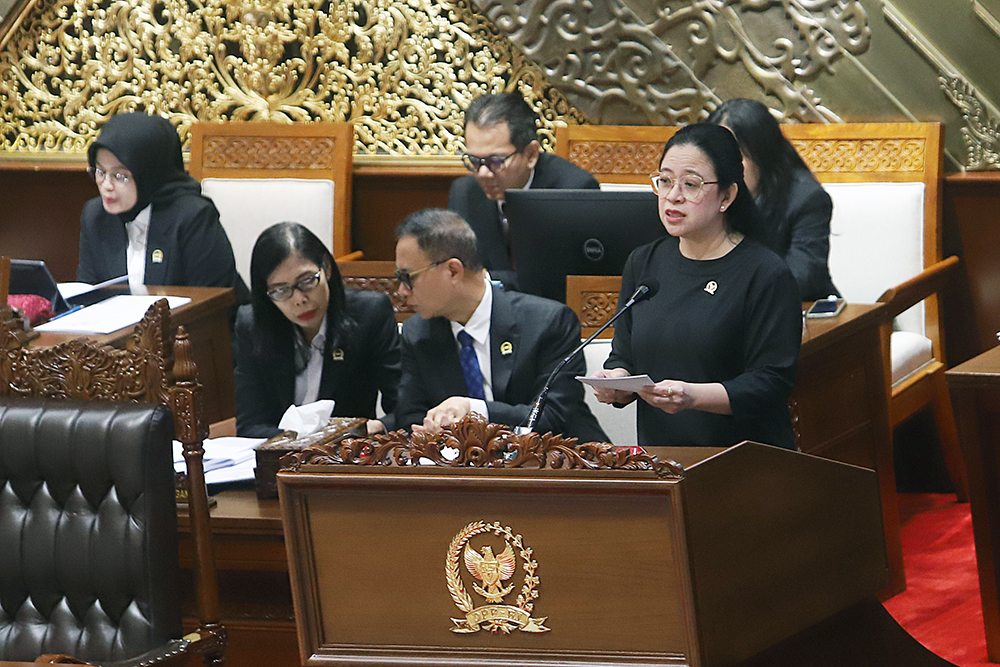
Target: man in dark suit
x,y
477,348
503,153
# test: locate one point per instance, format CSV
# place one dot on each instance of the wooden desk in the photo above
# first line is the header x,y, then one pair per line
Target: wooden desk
x,y
840,409
254,590
975,399
206,319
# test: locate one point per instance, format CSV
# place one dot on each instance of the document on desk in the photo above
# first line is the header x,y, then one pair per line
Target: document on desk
x,y
110,315
229,459
627,383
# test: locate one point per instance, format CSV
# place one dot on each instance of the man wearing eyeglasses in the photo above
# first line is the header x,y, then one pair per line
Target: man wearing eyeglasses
x,y
477,348
503,153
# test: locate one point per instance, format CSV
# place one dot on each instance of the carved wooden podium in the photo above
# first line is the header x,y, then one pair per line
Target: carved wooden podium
x,y
481,547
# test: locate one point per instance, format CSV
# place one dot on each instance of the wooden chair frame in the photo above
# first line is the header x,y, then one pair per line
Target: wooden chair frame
x,y
281,150
152,368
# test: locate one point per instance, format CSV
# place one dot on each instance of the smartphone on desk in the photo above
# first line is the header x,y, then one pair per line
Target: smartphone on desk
x,y
829,307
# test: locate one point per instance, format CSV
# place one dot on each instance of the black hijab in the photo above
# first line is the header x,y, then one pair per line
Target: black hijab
x,y
150,148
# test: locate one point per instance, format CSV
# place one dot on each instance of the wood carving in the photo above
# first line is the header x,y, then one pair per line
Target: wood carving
x,y
388,286
474,443
268,153
598,308
862,155
616,157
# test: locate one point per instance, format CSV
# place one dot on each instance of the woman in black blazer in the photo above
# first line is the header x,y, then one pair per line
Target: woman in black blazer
x,y
795,207
150,221
303,337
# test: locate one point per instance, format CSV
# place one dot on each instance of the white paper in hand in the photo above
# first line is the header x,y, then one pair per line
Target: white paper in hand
x,y
306,419
628,383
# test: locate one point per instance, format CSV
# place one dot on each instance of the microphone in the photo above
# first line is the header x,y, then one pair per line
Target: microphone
x,y
644,291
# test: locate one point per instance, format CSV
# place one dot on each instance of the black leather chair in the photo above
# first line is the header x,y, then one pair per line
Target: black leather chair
x,y
88,531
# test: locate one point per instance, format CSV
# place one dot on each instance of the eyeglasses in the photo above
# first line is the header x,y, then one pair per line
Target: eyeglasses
x,y
692,186
284,293
99,175
406,277
494,163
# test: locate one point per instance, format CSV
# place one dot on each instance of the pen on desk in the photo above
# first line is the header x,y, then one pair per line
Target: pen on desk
x,y
66,312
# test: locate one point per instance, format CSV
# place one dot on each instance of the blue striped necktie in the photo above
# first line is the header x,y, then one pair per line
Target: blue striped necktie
x,y
470,367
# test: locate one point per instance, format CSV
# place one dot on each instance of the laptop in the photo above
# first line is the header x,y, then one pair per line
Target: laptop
x,y
32,276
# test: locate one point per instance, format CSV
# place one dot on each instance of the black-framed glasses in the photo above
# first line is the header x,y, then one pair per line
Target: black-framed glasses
x,y
284,293
406,277
692,186
493,162
99,175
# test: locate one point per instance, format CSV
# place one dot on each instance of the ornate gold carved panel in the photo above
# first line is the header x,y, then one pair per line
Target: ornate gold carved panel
x,y
401,70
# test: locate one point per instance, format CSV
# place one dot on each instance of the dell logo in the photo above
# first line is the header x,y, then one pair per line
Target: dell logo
x,y
593,250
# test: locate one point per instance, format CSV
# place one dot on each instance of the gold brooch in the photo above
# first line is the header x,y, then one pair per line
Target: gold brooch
x,y
492,570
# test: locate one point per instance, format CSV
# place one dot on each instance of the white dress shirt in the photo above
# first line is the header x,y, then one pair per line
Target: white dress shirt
x,y
307,382
135,253
478,327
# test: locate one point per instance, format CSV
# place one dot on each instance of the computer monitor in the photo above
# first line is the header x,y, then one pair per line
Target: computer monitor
x,y
555,233
32,276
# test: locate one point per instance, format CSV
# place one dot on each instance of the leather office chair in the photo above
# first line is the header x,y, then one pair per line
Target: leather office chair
x,y
88,531
153,368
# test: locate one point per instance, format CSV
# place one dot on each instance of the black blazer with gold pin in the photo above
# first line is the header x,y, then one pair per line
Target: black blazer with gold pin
x,y
353,373
529,335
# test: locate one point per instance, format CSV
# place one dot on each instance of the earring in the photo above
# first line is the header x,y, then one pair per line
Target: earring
x,y
722,209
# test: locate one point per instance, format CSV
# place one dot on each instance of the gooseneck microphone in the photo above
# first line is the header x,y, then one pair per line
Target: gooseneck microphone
x,y
643,291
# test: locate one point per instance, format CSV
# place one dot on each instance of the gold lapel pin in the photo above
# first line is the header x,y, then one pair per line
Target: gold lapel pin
x,y
157,256
337,354
506,348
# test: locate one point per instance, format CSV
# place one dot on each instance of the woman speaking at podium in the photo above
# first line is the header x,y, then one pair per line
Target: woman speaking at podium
x,y
720,338
150,221
303,337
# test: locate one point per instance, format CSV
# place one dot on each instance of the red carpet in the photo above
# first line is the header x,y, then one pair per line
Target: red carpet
x,y
940,607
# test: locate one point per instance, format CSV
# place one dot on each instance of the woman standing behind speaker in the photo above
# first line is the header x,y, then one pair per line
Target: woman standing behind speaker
x,y
720,338
795,208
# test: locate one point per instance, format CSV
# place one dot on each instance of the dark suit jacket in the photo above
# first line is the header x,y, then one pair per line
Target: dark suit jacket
x,y
467,199
540,332
801,235
194,246
265,380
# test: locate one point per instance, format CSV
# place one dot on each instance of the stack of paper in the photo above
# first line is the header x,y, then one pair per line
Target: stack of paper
x,y
109,315
226,459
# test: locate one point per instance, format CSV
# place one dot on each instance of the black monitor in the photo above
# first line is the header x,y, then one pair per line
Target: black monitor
x,y
32,276
555,233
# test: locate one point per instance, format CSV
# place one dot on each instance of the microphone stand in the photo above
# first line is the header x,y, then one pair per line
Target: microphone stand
x,y
536,407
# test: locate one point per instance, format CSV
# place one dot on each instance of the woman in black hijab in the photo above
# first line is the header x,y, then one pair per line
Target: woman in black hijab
x,y
150,220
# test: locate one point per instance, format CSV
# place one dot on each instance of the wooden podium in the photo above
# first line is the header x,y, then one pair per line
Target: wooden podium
x,y
528,550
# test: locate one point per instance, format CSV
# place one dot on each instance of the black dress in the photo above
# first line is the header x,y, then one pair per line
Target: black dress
x,y
736,320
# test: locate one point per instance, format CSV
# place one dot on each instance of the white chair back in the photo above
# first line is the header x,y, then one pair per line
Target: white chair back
x,y
248,206
877,241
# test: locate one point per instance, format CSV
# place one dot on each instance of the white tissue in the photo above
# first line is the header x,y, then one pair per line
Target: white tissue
x,y
306,419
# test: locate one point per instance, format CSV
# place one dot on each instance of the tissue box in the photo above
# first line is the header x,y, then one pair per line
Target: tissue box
x,y
270,452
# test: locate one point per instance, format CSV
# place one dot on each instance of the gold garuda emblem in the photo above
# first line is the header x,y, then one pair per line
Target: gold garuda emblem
x,y
490,568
